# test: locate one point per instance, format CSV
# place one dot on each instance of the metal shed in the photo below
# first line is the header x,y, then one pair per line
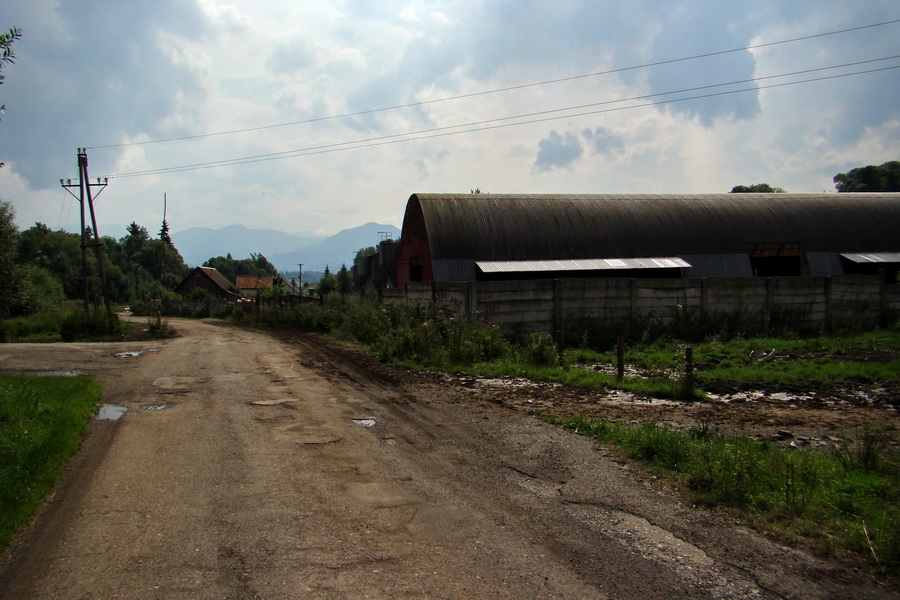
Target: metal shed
x,y
446,236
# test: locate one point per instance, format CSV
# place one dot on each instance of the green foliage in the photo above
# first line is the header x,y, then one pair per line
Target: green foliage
x,y
199,294
256,264
10,271
40,292
134,264
365,252
814,362
846,505
41,421
540,349
329,283
873,178
344,281
94,325
757,188
7,56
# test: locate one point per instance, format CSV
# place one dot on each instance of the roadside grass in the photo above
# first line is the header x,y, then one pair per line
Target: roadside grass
x,y
72,325
41,423
846,501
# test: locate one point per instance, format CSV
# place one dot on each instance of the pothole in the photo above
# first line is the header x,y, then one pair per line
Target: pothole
x,y
366,421
274,402
110,412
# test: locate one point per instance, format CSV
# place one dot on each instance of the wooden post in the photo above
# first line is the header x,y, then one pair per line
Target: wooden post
x,y
620,358
688,372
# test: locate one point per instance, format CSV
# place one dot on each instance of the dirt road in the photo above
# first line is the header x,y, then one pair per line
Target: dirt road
x,y
253,466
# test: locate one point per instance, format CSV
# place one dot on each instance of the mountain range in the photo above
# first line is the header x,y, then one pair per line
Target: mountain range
x,y
284,250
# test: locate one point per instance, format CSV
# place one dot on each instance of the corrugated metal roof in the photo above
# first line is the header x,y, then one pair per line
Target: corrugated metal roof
x,y
507,227
873,257
595,264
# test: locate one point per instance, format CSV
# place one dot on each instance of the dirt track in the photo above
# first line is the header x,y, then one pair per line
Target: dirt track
x,y
253,466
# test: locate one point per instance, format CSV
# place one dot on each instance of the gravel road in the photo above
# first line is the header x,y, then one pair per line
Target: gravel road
x,y
256,465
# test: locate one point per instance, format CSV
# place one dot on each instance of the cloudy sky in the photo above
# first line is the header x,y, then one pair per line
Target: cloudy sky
x,y
318,116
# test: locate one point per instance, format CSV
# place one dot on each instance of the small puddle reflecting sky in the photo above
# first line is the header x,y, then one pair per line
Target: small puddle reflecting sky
x,y
109,412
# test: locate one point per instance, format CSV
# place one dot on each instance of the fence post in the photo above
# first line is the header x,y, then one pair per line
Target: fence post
x,y
557,315
688,372
620,358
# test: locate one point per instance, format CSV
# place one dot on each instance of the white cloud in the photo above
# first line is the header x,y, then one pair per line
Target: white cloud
x,y
145,71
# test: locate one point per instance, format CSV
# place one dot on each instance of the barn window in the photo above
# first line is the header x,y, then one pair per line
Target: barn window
x,y
777,259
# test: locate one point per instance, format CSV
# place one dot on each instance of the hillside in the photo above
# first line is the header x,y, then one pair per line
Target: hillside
x,y
284,250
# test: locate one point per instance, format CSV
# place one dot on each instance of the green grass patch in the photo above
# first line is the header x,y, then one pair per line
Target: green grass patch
x,y
41,424
821,362
73,325
846,501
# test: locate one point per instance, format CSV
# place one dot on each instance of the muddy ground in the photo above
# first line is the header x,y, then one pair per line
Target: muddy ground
x,y
816,416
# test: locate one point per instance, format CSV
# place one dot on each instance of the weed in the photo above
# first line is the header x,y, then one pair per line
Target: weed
x,y
827,497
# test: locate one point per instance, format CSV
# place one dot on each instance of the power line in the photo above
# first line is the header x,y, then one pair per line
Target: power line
x,y
485,125
504,89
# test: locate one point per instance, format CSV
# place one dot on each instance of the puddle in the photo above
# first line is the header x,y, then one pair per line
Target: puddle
x,y
131,354
366,421
156,407
109,412
627,398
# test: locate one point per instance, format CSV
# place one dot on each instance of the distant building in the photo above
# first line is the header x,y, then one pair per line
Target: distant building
x,y
250,286
208,279
378,270
477,237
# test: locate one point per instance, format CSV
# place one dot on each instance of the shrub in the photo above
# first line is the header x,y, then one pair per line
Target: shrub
x,y
89,325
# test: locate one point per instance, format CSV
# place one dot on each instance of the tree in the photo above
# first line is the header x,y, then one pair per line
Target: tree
x,y
262,264
164,233
10,273
135,240
880,178
257,264
329,283
344,280
757,188
7,56
57,252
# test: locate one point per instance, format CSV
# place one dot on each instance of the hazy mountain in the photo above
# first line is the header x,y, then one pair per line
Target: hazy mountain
x,y
284,250
339,249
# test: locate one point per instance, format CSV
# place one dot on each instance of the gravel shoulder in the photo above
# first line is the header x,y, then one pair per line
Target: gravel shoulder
x,y
259,465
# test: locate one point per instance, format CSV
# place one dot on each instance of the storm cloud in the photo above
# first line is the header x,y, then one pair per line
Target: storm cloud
x,y
300,116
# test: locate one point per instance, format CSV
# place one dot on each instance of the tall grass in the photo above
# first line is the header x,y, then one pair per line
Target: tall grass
x,y
846,500
41,422
423,336
67,325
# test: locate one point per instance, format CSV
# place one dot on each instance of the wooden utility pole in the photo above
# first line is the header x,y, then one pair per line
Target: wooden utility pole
x,y
86,199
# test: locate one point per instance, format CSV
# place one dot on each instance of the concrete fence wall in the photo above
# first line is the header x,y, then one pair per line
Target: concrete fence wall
x,y
566,304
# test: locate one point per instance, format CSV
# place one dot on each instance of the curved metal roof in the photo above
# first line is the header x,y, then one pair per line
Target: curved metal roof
x,y
559,226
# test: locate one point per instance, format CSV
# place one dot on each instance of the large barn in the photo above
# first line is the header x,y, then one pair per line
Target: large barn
x,y
477,237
